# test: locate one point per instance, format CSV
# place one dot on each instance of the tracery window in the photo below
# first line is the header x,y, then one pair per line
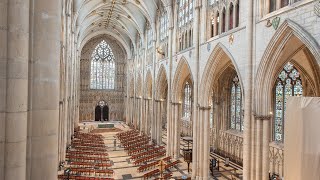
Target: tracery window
x,y
236,121
288,84
185,12
102,67
164,26
187,95
277,4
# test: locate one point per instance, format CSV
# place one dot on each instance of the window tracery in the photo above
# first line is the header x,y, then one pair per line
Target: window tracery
x,y
225,15
185,19
187,95
102,67
288,83
236,121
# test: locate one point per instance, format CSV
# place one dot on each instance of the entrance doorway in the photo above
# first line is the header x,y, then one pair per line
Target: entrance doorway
x,y
102,111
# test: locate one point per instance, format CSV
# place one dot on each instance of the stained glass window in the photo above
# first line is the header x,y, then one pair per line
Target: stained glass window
x,y
185,12
288,84
187,100
212,110
236,121
102,67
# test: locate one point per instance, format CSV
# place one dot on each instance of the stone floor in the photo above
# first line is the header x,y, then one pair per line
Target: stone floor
x,y
125,170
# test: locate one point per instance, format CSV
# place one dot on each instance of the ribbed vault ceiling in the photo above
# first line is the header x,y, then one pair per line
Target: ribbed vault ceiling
x,y
122,19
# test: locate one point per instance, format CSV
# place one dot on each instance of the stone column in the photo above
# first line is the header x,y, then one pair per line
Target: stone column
x,y
201,142
153,122
169,131
258,149
196,43
176,132
17,90
160,122
234,15
247,134
206,140
172,129
265,147
43,125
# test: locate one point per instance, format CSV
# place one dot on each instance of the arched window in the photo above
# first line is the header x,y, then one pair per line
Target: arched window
x,y
187,94
185,12
217,24
237,14
164,26
288,84
231,16
236,121
272,5
223,23
102,67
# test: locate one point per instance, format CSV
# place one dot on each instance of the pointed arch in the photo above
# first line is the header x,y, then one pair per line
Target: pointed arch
x,y
162,83
219,60
182,73
289,40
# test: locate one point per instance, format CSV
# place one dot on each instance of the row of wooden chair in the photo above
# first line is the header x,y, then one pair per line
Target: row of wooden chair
x,y
79,158
76,177
87,153
139,149
147,153
134,139
149,158
90,164
88,144
151,174
171,165
165,176
152,165
84,148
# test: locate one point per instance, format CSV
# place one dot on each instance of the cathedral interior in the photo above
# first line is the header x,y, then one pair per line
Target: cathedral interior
x,y
159,89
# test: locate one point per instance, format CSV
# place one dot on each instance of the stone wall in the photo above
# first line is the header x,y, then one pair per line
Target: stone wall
x,y
89,98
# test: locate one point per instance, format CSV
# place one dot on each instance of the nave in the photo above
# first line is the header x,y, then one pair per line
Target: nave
x,y
121,152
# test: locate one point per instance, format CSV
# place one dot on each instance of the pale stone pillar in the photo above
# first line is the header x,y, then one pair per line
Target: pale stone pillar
x,y
43,125
153,122
265,148
176,132
258,149
206,137
201,142
17,90
160,122
168,132
172,128
234,15
196,43
3,82
248,92
227,19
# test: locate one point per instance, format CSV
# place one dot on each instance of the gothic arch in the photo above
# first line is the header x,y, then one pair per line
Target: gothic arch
x,y
182,73
162,84
219,60
289,40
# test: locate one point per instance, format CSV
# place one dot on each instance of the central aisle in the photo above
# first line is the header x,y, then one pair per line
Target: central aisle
x,y
122,166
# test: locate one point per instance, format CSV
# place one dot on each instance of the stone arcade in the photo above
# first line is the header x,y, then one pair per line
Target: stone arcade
x,y
219,71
